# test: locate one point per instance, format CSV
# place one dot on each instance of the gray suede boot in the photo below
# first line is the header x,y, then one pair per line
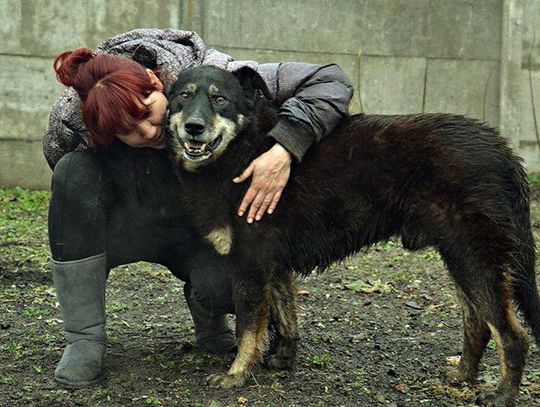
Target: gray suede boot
x,y
212,331
80,289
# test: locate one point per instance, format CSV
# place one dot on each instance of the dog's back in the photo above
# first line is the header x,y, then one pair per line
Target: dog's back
x,y
414,176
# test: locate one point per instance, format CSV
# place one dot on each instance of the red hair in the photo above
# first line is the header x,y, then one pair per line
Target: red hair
x,y
111,88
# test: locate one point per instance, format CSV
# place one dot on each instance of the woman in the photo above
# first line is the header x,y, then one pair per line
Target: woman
x,y
115,199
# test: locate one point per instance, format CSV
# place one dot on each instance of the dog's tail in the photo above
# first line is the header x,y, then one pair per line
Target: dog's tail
x,y
525,290
524,287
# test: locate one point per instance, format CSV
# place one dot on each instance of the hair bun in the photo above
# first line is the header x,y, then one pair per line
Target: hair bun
x,y
66,65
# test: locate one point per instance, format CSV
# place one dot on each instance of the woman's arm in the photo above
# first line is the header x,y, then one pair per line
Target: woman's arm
x,y
65,130
313,99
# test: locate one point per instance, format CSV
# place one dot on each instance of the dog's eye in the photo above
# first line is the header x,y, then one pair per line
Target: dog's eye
x,y
184,96
220,100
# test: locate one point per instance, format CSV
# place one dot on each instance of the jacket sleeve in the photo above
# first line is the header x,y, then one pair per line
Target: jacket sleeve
x,y
65,130
313,99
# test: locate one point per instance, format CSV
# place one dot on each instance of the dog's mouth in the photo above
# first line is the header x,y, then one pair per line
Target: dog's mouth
x,y
197,151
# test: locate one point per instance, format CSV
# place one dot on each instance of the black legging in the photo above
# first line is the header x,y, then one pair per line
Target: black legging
x,y
126,202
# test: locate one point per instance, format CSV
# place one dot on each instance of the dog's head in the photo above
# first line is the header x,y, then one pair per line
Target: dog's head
x,y
208,107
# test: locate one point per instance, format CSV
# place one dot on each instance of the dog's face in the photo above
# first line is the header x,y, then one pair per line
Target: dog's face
x,y
208,107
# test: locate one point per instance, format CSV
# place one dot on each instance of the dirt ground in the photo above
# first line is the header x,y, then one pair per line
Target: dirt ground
x,y
378,329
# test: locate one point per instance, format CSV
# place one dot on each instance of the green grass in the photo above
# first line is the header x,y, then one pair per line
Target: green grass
x,y
23,227
320,361
534,180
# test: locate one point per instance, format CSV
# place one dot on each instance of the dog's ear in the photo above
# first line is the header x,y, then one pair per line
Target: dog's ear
x,y
252,83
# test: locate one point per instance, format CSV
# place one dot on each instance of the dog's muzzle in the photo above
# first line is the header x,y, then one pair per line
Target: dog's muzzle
x,y
195,150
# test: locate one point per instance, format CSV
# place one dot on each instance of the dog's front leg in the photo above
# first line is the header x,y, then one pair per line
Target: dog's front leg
x,y
252,307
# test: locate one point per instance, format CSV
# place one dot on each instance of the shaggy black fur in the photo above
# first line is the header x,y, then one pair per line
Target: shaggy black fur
x,y
434,179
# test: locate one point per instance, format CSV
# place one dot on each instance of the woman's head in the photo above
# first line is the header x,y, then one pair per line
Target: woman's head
x,y
120,98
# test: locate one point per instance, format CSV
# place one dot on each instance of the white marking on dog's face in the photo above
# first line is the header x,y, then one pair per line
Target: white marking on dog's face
x,y
221,239
241,120
176,122
222,132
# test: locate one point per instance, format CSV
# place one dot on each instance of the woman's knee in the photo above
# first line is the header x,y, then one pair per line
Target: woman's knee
x,y
76,174
76,213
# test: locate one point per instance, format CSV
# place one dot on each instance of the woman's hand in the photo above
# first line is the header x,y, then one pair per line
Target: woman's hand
x,y
270,173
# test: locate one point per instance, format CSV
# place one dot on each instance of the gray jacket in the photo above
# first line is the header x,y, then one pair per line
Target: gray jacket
x,y
312,98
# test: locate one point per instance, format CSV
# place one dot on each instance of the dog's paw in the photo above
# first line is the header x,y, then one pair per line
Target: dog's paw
x,y
226,381
276,363
457,377
496,399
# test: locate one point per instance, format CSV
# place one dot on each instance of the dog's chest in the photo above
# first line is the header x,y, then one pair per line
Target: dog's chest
x,y
213,208
221,238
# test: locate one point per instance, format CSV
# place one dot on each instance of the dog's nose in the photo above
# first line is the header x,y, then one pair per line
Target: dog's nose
x,y
195,126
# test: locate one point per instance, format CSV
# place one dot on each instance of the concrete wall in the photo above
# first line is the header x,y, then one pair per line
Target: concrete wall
x,y
476,57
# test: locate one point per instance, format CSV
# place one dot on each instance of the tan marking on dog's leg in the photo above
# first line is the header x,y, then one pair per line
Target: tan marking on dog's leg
x,y
252,344
476,335
516,328
246,349
284,307
500,350
221,239
254,341
512,346
284,317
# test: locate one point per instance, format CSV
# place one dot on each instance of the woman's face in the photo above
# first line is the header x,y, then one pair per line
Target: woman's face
x,y
149,132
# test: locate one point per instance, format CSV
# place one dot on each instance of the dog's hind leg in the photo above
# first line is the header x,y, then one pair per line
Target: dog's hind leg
x,y
489,292
285,321
512,346
476,335
252,307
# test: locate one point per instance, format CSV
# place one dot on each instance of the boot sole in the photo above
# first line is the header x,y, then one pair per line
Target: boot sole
x,y
75,385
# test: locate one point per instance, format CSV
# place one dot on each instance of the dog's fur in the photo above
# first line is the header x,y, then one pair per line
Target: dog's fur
x,y
434,179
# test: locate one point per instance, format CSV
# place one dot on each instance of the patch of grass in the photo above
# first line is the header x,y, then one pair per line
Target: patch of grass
x,y
153,401
534,180
14,348
10,293
23,227
31,312
24,200
362,382
388,245
431,255
435,387
368,287
6,379
118,307
320,361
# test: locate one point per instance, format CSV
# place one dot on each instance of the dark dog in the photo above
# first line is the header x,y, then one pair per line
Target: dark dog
x,y
434,179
